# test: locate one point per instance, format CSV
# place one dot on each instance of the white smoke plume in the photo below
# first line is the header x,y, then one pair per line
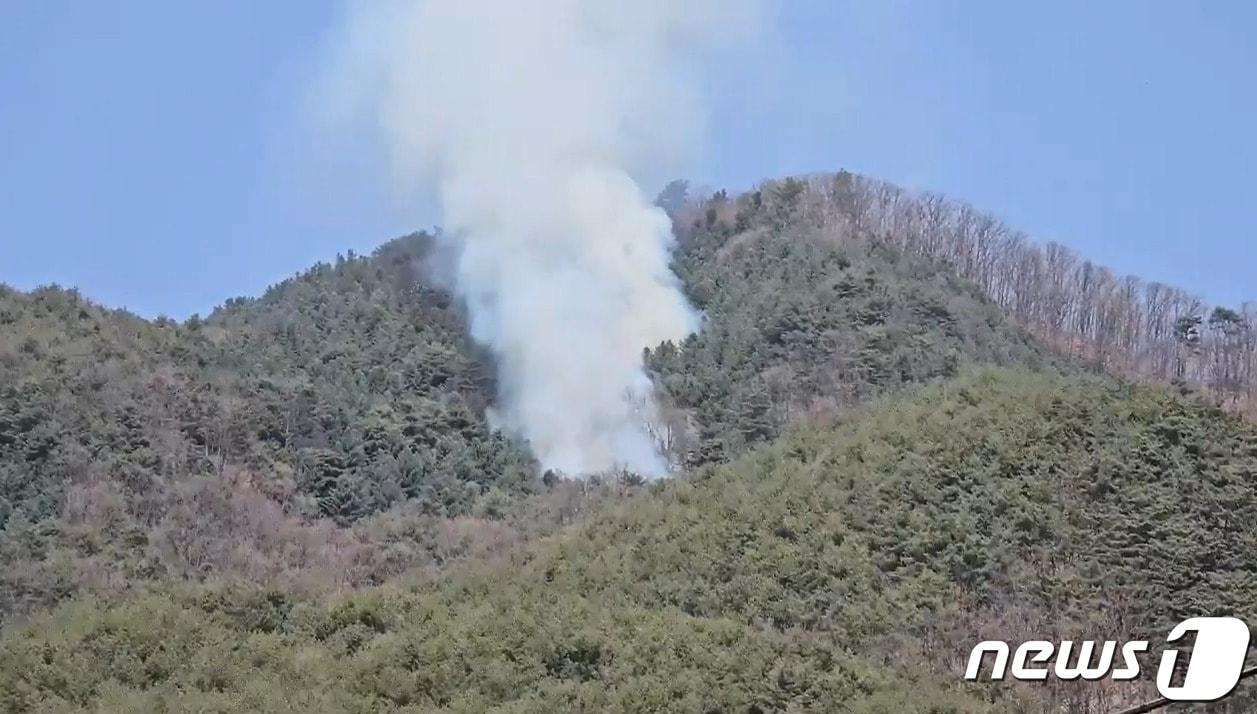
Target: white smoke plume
x,y
531,121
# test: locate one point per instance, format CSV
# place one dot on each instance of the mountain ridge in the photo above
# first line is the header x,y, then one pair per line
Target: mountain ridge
x,y
888,446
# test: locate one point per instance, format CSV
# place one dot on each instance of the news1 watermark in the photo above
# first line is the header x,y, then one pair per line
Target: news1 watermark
x,y
1211,671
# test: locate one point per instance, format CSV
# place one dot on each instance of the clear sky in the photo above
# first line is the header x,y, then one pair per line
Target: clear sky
x,y
157,154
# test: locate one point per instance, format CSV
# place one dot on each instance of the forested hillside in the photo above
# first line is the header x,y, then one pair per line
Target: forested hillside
x,y
134,449
805,318
903,428
1115,323
844,568
338,420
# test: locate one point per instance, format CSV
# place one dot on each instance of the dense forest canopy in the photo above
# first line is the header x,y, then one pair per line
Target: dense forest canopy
x,y
902,425
847,568
1118,324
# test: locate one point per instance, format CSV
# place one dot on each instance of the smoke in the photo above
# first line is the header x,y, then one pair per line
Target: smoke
x,y
531,121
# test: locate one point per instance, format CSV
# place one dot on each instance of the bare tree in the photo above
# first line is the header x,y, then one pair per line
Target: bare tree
x,y
1152,331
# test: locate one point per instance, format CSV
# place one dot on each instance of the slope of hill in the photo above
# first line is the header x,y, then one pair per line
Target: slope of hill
x,y
340,392
346,405
844,568
308,385
207,493
1120,324
806,318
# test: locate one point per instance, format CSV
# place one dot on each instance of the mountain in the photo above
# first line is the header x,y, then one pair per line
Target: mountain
x,y
902,426
339,392
844,568
807,317
349,397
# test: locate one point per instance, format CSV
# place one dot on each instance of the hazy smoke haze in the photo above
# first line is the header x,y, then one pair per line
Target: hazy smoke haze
x,y
530,122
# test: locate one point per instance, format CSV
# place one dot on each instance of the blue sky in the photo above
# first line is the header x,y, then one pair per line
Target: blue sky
x,y
158,155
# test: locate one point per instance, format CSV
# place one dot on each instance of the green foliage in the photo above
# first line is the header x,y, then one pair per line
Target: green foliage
x,y
340,393
364,384
822,553
351,390
844,568
1066,495
674,196
335,375
509,651
801,321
